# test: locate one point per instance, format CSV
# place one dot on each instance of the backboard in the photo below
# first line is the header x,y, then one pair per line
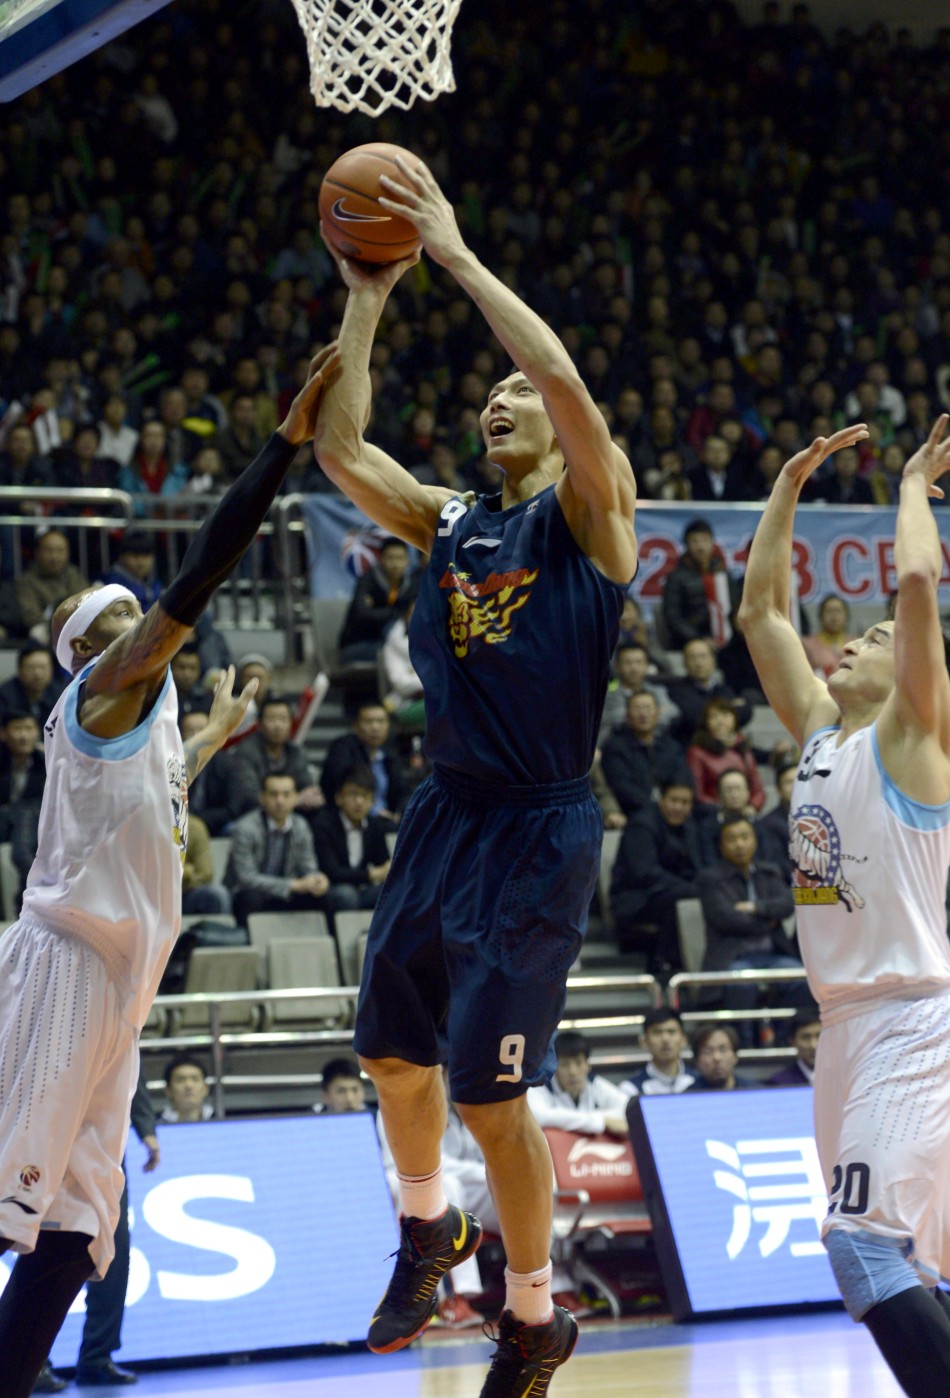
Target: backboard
x,y
41,37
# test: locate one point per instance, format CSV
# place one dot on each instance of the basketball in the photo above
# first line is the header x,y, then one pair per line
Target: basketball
x,y
349,205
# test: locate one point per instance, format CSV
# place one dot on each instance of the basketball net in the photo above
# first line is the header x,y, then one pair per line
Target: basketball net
x,y
367,55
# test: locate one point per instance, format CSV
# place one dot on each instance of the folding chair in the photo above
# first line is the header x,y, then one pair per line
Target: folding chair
x,y
350,927
598,1199
212,969
309,963
262,928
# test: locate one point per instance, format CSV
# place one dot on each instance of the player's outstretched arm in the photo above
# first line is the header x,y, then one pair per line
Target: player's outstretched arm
x,y
378,485
600,495
922,692
800,699
133,667
227,712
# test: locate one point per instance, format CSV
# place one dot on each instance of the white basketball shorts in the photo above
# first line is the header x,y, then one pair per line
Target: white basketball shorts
x,y
882,1126
68,1069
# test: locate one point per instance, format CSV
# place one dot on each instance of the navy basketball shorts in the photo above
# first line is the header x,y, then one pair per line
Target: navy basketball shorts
x,y
481,918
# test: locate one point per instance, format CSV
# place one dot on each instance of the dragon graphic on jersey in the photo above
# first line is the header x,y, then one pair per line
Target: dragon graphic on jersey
x,y
178,783
483,610
815,847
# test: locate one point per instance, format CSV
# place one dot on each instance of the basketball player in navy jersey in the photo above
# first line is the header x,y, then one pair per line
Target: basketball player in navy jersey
x,y
102,908
870,842
485,906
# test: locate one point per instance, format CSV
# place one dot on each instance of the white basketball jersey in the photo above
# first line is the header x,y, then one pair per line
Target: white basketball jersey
x,y
870,879
112,840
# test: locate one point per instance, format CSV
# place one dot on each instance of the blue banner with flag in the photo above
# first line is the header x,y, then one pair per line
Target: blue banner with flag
x,y
342,544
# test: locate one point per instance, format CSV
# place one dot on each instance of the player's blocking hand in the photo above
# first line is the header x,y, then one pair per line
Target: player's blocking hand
x,y
932,459
300,423
806,463
227,710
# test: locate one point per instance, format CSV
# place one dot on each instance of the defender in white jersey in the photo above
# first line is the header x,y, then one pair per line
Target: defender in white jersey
x,y
870,843
102,907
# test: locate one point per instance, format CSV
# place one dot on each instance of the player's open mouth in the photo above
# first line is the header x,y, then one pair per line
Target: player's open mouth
x,y
500,427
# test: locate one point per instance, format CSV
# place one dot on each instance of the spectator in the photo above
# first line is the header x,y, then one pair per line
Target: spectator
x,y
33,689
200,894
134,567
692,692
715,1055
272,865
152,471
252,666
240,441
269,750
186,677
83,465
49,580
634,630
631,665
576,1100
350,844
22,466
771,830
718,746
825,650
842,485
367,746
22,781
341,1088
698,594
661,852
186,1088
379,599
744,905
665,1040
636,758
717,477
207,792
405,699
803,1035
117,440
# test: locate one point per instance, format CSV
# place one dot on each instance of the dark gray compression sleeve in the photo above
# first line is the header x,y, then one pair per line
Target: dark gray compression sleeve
x,y
227,532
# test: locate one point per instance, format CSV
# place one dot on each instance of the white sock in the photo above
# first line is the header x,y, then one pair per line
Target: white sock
x,y
528,1295
422,1196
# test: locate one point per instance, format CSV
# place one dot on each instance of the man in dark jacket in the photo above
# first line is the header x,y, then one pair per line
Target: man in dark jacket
x,y
269,751
381,597
803,1035
771,830
367,746
636,758
659,857
744,905
692,692
36,685
692,585
350,843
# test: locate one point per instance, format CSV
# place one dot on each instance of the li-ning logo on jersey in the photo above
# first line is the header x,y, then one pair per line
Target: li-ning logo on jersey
x,y
178,784
815,847
483,610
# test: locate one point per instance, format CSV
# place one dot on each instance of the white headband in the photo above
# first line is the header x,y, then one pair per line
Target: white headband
x,y
83,617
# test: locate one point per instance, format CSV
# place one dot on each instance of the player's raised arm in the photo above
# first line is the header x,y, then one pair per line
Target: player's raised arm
x,y
922,693
800,699
599,494
386,492
132,666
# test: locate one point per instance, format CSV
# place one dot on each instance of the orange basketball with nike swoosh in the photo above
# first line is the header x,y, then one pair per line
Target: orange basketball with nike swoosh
x,y
352,216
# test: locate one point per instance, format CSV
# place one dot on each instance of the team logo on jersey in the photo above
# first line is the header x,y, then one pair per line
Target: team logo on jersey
x,y
815,847
178,785
29,1176
482,611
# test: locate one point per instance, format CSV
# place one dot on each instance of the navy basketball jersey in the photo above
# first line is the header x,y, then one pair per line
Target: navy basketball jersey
x,y
512,636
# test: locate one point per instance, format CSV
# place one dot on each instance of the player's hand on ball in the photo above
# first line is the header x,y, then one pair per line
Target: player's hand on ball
x,y
806,463
932,459
418,198
358,276
300,423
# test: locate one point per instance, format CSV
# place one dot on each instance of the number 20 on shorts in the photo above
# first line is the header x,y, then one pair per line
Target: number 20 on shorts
x,y
511,1056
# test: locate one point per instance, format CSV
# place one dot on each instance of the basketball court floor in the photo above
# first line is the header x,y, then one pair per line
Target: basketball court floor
x,y
790,1357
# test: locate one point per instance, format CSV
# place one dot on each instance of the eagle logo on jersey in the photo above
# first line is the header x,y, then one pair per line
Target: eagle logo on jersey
x,y
178,784
482,611
815,848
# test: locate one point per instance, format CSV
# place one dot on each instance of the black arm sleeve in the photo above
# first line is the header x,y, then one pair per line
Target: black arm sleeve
x,y
227,532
